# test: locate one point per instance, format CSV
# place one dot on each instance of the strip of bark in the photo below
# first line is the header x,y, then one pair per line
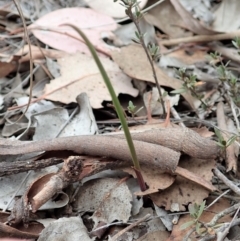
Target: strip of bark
x,y
8,168
180,139
148,154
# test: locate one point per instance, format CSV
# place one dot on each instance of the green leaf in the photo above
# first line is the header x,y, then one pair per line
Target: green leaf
x,y
198,226
138,110
178,91
115,100
218,134
165,93
231,140
201,208
220,144
137,35
192,210
136,41
187,224
235,44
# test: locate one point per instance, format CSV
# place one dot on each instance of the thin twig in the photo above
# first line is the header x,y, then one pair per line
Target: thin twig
x,y
229,183
119,234
30,60
189,233
201,38
222,214
135,20
221,235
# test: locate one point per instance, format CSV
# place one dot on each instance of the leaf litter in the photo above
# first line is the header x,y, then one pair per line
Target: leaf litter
x,y
70,100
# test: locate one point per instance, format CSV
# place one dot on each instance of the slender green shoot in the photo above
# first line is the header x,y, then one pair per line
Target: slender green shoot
x,y
116,104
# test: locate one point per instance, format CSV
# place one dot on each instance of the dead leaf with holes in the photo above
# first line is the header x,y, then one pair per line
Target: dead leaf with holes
x,y
109,199
183,191
79,73
155,179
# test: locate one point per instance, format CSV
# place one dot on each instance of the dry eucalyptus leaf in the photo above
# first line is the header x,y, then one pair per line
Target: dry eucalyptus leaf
x,y
133,61
184,191
108,198
88,20
154,178
67,229
155,104
190,22
79,73
159,16
190,56
10,183
226,17
178,233
49,122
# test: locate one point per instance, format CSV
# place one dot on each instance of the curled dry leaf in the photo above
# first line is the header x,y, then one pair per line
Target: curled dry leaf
x,y
47,186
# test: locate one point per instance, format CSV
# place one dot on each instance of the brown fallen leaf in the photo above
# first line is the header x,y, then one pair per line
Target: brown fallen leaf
x,y
79,73
189,55
133,61
184,191
6,68
155,179
159,17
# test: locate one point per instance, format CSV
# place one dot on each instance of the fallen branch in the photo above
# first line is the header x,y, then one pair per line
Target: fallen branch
x,y
180,139
148,154
164,153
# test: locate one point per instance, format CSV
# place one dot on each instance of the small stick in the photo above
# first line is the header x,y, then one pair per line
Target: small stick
x,y
222,214
230,184
201,38
119,234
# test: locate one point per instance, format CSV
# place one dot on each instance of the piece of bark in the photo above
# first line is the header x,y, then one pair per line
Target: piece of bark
x,y
8,168
180,139
98,145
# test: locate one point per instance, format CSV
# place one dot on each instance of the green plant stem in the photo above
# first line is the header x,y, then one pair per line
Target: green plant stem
x,y
136,22
117,106
194,93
